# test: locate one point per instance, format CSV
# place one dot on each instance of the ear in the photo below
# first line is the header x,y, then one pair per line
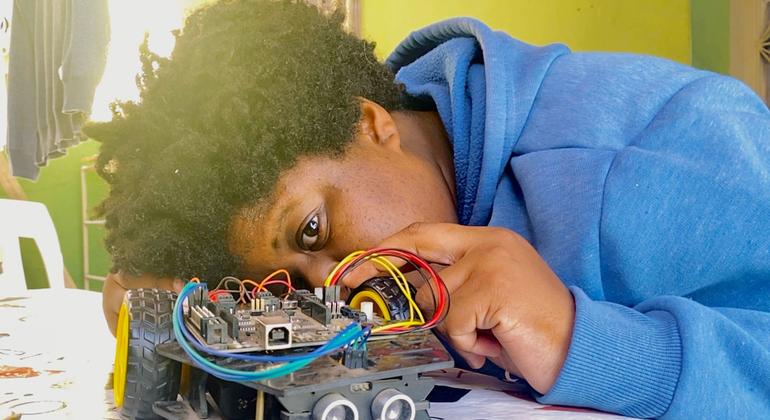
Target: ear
x,y
377,126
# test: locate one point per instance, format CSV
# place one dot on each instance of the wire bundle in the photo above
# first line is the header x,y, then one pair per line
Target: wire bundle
x,y
281,365
416,320
354,335
246,295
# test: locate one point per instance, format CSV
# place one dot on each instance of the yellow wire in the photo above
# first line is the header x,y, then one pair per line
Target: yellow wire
x,y
401,282
339,265
394,273
404,286
396,324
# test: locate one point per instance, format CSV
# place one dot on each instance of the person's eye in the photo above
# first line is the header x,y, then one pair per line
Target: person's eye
x,y
309,236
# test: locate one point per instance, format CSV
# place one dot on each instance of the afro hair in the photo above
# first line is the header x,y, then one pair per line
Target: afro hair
x,y
251,86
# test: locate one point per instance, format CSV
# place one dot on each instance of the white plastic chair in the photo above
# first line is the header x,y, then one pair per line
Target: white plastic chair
x,y
27,219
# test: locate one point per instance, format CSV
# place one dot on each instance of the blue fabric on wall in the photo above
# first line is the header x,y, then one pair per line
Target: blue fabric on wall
x,y
645,185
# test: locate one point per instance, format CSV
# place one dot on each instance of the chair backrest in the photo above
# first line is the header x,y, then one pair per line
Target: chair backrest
x,y
27,219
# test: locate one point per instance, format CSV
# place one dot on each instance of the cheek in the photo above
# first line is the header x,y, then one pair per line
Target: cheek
x,y
364,218
369,215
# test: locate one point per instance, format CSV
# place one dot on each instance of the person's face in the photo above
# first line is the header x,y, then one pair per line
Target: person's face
x,y
324,208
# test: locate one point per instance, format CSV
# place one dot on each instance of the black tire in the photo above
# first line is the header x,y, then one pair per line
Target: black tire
x,y
150,377
386,287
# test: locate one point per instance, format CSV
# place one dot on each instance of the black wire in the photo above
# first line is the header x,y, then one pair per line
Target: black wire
x,y
351,267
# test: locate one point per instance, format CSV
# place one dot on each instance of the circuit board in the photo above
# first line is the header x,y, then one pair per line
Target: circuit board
x,y
299,319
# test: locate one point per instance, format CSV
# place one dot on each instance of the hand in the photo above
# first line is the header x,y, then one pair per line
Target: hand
x,y
506,303
116,285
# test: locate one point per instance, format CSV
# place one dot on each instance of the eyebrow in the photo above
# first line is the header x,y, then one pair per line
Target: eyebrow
x,y
282,221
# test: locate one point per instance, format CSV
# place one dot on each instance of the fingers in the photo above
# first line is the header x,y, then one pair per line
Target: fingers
x,y
476,348
474,360
462,324
485,347
506,363
442,243
468,325
367,270
452,277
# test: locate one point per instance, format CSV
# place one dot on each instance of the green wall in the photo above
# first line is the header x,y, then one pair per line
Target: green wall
x,y
711,35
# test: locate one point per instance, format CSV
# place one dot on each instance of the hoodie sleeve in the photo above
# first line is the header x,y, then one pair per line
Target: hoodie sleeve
x,y
705,353
85,53
669,357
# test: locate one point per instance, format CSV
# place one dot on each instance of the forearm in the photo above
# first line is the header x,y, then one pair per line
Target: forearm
x,y
659,359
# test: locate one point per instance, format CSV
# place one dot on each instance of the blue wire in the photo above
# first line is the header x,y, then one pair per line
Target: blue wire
x,y
237,375
295,362
320,351
349,333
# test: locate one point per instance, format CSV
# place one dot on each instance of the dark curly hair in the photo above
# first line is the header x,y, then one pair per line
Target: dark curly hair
x,y
251,86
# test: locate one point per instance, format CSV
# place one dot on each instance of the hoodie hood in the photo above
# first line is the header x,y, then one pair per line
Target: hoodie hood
x,y
463,66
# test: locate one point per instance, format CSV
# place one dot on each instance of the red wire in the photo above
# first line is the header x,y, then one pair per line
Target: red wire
x,y
215,293
415,259
404,255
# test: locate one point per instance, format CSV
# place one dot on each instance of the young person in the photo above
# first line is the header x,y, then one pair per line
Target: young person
x,y
603,219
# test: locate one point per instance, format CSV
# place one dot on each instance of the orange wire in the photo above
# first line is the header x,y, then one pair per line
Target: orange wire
x,y
273,274
251,282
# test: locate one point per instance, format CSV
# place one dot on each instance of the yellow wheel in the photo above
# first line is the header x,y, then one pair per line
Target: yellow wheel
x,y
121,356
389,301
368,295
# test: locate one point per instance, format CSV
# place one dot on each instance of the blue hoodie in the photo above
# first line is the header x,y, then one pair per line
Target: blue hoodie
x,y
645,185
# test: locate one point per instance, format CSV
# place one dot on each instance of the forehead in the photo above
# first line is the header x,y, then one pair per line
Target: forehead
x,y
255,227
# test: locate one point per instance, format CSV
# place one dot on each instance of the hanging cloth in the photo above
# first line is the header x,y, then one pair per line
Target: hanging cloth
x,y
57,56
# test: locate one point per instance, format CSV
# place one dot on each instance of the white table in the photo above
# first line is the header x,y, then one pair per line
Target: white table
x,y
61,335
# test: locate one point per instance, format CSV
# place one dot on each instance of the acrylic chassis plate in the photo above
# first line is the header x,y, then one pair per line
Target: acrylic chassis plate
x,y
405,354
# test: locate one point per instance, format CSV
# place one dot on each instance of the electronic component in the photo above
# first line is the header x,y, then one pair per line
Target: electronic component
x,y
353,314
331,293
247,334
309,304
355,358
386,297
298,320
334,406
266,302
225,303
393,404
212,328
273,332
367,308
251,320
246,326
233,326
